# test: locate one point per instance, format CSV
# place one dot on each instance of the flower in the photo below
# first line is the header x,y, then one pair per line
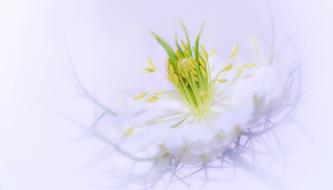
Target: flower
x,y
207,107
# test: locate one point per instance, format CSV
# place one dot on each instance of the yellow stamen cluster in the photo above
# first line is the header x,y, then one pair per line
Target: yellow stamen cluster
x,y
191,79
188,70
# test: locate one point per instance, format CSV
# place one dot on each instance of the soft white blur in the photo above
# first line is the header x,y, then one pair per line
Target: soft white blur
x,y
109,41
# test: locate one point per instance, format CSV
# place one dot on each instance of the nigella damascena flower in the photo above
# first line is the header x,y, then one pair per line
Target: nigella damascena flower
x,y
208,107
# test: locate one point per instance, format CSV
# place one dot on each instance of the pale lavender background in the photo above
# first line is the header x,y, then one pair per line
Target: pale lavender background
x,y
110,41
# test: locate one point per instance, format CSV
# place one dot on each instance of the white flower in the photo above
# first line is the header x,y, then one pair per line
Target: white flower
x,y
207,107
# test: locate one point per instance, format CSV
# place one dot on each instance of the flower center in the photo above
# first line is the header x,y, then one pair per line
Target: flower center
x,y
188,71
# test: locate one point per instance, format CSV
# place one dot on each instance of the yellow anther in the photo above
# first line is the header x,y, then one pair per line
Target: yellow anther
x,y
194,72
175,79
203,71
182,72
151,66
249,65
204,74
170,78
204,53
239,73
140,96
202,62
171,69
202,93
234,51
227,68
189,60
152,99
149,70
221,81
203,66
128,132
194,77
192,65
179,54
